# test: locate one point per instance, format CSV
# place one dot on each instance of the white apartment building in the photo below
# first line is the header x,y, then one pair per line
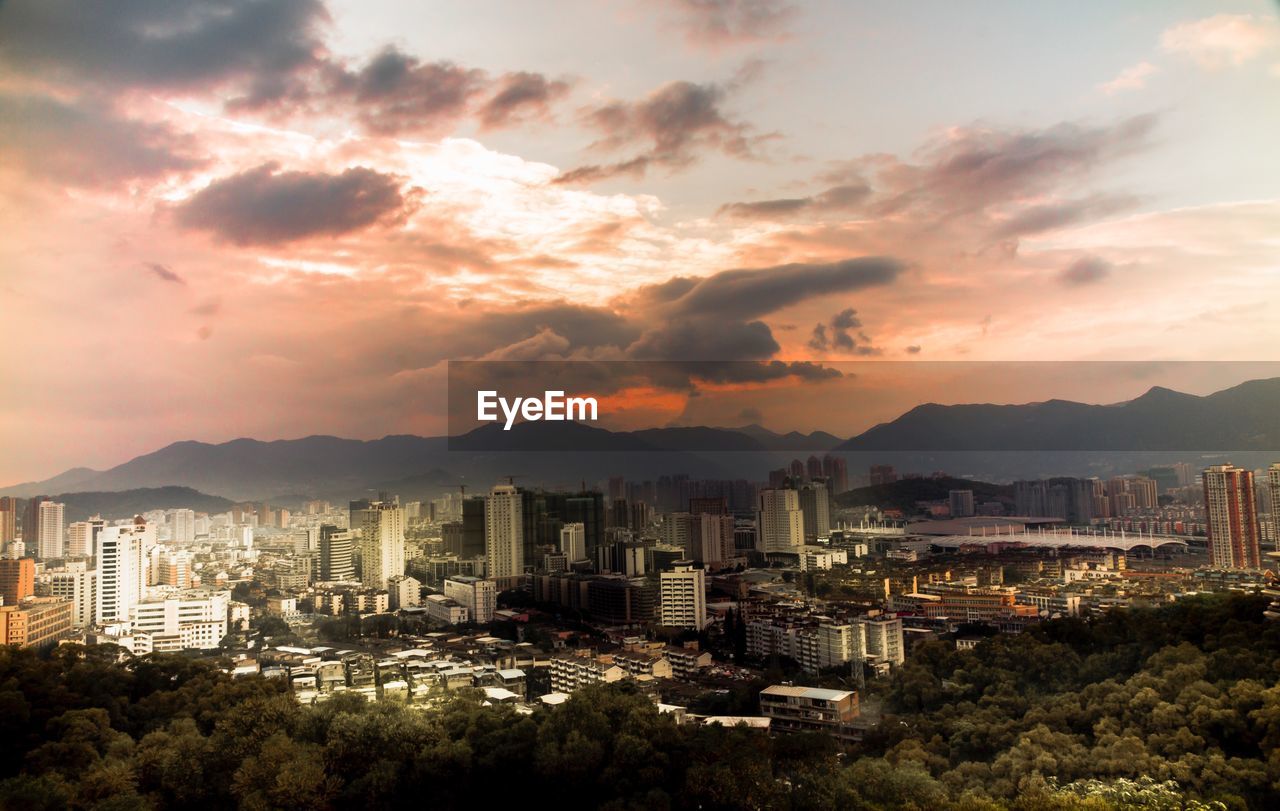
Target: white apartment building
x,y
121,570
381,544
683,596
190,619
480,597
77,583
779,521
503,532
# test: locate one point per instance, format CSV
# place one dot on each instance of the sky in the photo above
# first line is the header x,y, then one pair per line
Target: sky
x,y
277,218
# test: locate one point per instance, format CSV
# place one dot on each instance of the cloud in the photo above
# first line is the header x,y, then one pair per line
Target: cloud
x,y
1133,77
1086,270
519,94
842,198
264,206
1050,216
86,143
672,124
748,293
914,349
164,273
837,334
716,23
1221,41
396,92
187,44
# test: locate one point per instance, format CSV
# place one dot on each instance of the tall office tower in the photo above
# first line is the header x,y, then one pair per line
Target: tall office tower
x,y
836,469
677,530
51,528
473,527
779,521
713,538
813,467
77,583
17,580
31,523
883,474
815,503
8,519
504,532
778,478
355,513
184,526
1232,517
639,516
337,548
796,471
573,542
121,569
381,544
961,503
682,595
1273,485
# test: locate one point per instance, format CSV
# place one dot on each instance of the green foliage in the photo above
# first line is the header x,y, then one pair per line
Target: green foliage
x,y
1176,708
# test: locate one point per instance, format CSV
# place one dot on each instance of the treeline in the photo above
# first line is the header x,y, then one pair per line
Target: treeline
x,y
1172,708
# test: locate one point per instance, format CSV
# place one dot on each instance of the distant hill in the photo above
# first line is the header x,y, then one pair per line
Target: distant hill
x,y
127,503
1243,418
904,493
792,440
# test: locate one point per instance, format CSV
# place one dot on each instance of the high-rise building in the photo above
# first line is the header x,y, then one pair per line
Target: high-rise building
x,y
813,467
1232,517
78,583
713,538
31,523
779,521
815,503
1273,487
121,569
504,532
573,542
381,544
187,620
51,528
677,530
883,474
682,597
337,550
17,580
8,519
184,526
962,505
79,539
836,470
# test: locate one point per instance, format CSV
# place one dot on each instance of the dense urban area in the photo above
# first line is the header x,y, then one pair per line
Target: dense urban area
x,y
814,639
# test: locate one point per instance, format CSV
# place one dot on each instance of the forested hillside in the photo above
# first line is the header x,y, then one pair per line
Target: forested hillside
x,y
1171,708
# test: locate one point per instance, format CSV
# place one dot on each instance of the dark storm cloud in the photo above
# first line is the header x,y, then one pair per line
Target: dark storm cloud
x,y
1085,270
266,206
164,273
749,293
846,197
672,124
85,143
838,334
141,43
706,339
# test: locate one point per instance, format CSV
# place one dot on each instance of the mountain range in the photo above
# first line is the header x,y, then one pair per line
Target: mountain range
x,y
996,442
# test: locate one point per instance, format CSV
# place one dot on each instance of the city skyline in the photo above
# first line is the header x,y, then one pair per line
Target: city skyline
x,y
215,216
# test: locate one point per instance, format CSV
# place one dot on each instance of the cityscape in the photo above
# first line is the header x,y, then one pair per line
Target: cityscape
x,y
688,404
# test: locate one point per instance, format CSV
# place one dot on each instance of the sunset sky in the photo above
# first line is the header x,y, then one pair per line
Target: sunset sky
x,y
275,218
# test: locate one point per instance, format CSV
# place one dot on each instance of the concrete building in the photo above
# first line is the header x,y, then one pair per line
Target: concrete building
x,y
337,552
480,597
683,597
17,580
381,544
8,519
121,570
37,621
79,584
815,505
810,709
184,526
405,592
1232,516
962,505
573,541
444,610
779,521
49,540
504,533
189,620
